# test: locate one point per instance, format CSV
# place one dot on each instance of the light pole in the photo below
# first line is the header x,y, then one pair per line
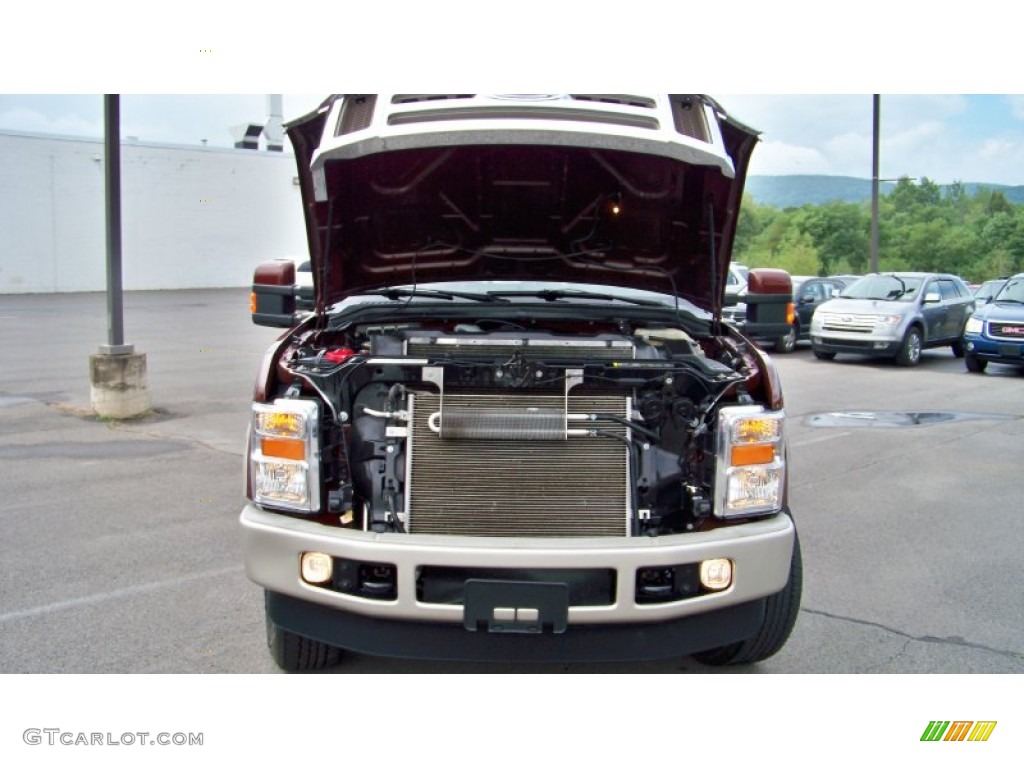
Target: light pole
x,y
876,104
117,373
876,109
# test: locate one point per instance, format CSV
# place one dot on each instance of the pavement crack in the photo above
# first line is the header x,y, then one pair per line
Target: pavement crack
x,y
950,641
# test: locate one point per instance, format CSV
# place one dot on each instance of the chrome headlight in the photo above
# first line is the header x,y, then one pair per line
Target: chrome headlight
x,y
974,325
751,461
284,454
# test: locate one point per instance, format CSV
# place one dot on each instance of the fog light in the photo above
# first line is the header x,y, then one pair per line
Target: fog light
x,y
317,567
716,574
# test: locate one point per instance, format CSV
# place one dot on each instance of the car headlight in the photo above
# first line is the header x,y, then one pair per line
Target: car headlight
x,y
889,319
974,325
284,454
751,461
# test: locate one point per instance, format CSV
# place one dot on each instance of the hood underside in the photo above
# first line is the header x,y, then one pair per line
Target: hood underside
x,y
532,198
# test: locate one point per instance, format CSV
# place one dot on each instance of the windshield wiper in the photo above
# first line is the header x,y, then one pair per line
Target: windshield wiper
x,y
556,294
408,293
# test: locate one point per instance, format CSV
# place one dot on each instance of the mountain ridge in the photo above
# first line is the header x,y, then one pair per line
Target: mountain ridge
x,y
793,191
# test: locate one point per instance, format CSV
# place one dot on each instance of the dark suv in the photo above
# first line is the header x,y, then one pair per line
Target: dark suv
x,y
811,294
995,334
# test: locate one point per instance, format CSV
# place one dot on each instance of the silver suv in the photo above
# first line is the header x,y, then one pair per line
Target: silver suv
x,y
895,315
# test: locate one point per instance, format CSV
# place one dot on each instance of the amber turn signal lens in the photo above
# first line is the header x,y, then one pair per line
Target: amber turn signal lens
x,y
283,449
742,455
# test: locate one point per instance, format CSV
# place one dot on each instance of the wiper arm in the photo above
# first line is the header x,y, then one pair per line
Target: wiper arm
x,y
407,293
556,294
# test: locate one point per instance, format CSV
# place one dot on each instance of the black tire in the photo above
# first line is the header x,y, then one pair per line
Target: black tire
x,y
824,355
295,653
780,614
910,350
958,348
787,343
974,365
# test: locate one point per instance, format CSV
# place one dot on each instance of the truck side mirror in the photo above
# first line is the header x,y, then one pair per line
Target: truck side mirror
x,y
272,301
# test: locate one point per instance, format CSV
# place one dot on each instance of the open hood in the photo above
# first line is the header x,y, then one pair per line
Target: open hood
x,y
630,191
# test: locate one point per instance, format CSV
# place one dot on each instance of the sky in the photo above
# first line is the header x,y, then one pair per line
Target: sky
x,y
942,137
802,78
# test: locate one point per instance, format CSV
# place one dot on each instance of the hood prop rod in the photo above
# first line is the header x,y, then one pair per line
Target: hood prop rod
x,y
716,297
324,267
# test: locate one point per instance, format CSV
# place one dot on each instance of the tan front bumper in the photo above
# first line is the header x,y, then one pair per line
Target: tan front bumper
x,y
760,551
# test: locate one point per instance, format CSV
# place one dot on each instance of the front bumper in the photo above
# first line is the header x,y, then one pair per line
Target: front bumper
x,y
992,350
871,345
450,642
761,551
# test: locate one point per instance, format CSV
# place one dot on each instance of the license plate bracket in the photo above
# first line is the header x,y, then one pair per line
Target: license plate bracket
x,y
1010,350
516,607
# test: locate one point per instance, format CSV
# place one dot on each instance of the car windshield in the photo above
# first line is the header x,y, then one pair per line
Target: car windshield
x,y
884,288
1012,291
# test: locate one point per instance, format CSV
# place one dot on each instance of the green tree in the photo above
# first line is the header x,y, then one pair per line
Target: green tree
x,y
841,235
977,237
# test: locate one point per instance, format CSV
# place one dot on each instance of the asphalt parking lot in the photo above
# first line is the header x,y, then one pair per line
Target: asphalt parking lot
x,y
121,543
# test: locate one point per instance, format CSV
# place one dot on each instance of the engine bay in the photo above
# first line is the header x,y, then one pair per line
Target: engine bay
x,y
496,427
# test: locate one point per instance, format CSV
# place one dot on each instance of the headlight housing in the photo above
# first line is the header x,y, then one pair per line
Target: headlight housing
x,y
751,461
974,325
284,454
889,319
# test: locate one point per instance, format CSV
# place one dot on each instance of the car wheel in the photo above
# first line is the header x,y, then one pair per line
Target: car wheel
x,y
824,355
958,348
780,614
787,343
974,365
295,653
910,349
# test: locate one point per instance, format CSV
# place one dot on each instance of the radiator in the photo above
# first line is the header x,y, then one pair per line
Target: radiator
x,y
529,483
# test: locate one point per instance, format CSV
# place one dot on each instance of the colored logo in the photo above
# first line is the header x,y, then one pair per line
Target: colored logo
x,y
958,730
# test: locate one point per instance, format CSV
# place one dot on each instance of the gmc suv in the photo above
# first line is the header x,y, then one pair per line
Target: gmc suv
x,y
515,426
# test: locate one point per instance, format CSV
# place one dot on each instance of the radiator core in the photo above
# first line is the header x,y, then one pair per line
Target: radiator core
x,y
519,486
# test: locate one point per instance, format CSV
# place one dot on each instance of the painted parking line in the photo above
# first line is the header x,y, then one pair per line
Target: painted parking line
x,y
138,589
821,439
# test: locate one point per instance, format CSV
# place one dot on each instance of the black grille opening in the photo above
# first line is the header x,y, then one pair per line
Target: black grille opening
x,y
446,586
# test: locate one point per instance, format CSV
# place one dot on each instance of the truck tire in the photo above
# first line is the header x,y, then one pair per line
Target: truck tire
x,y
780,614
824,355
974,365
295,653
787,343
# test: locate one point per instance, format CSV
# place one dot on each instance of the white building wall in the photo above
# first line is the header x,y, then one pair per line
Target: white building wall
x,y
191,217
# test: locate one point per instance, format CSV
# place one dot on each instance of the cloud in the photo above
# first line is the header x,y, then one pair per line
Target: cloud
x,y
773,158
1016,104
32,121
